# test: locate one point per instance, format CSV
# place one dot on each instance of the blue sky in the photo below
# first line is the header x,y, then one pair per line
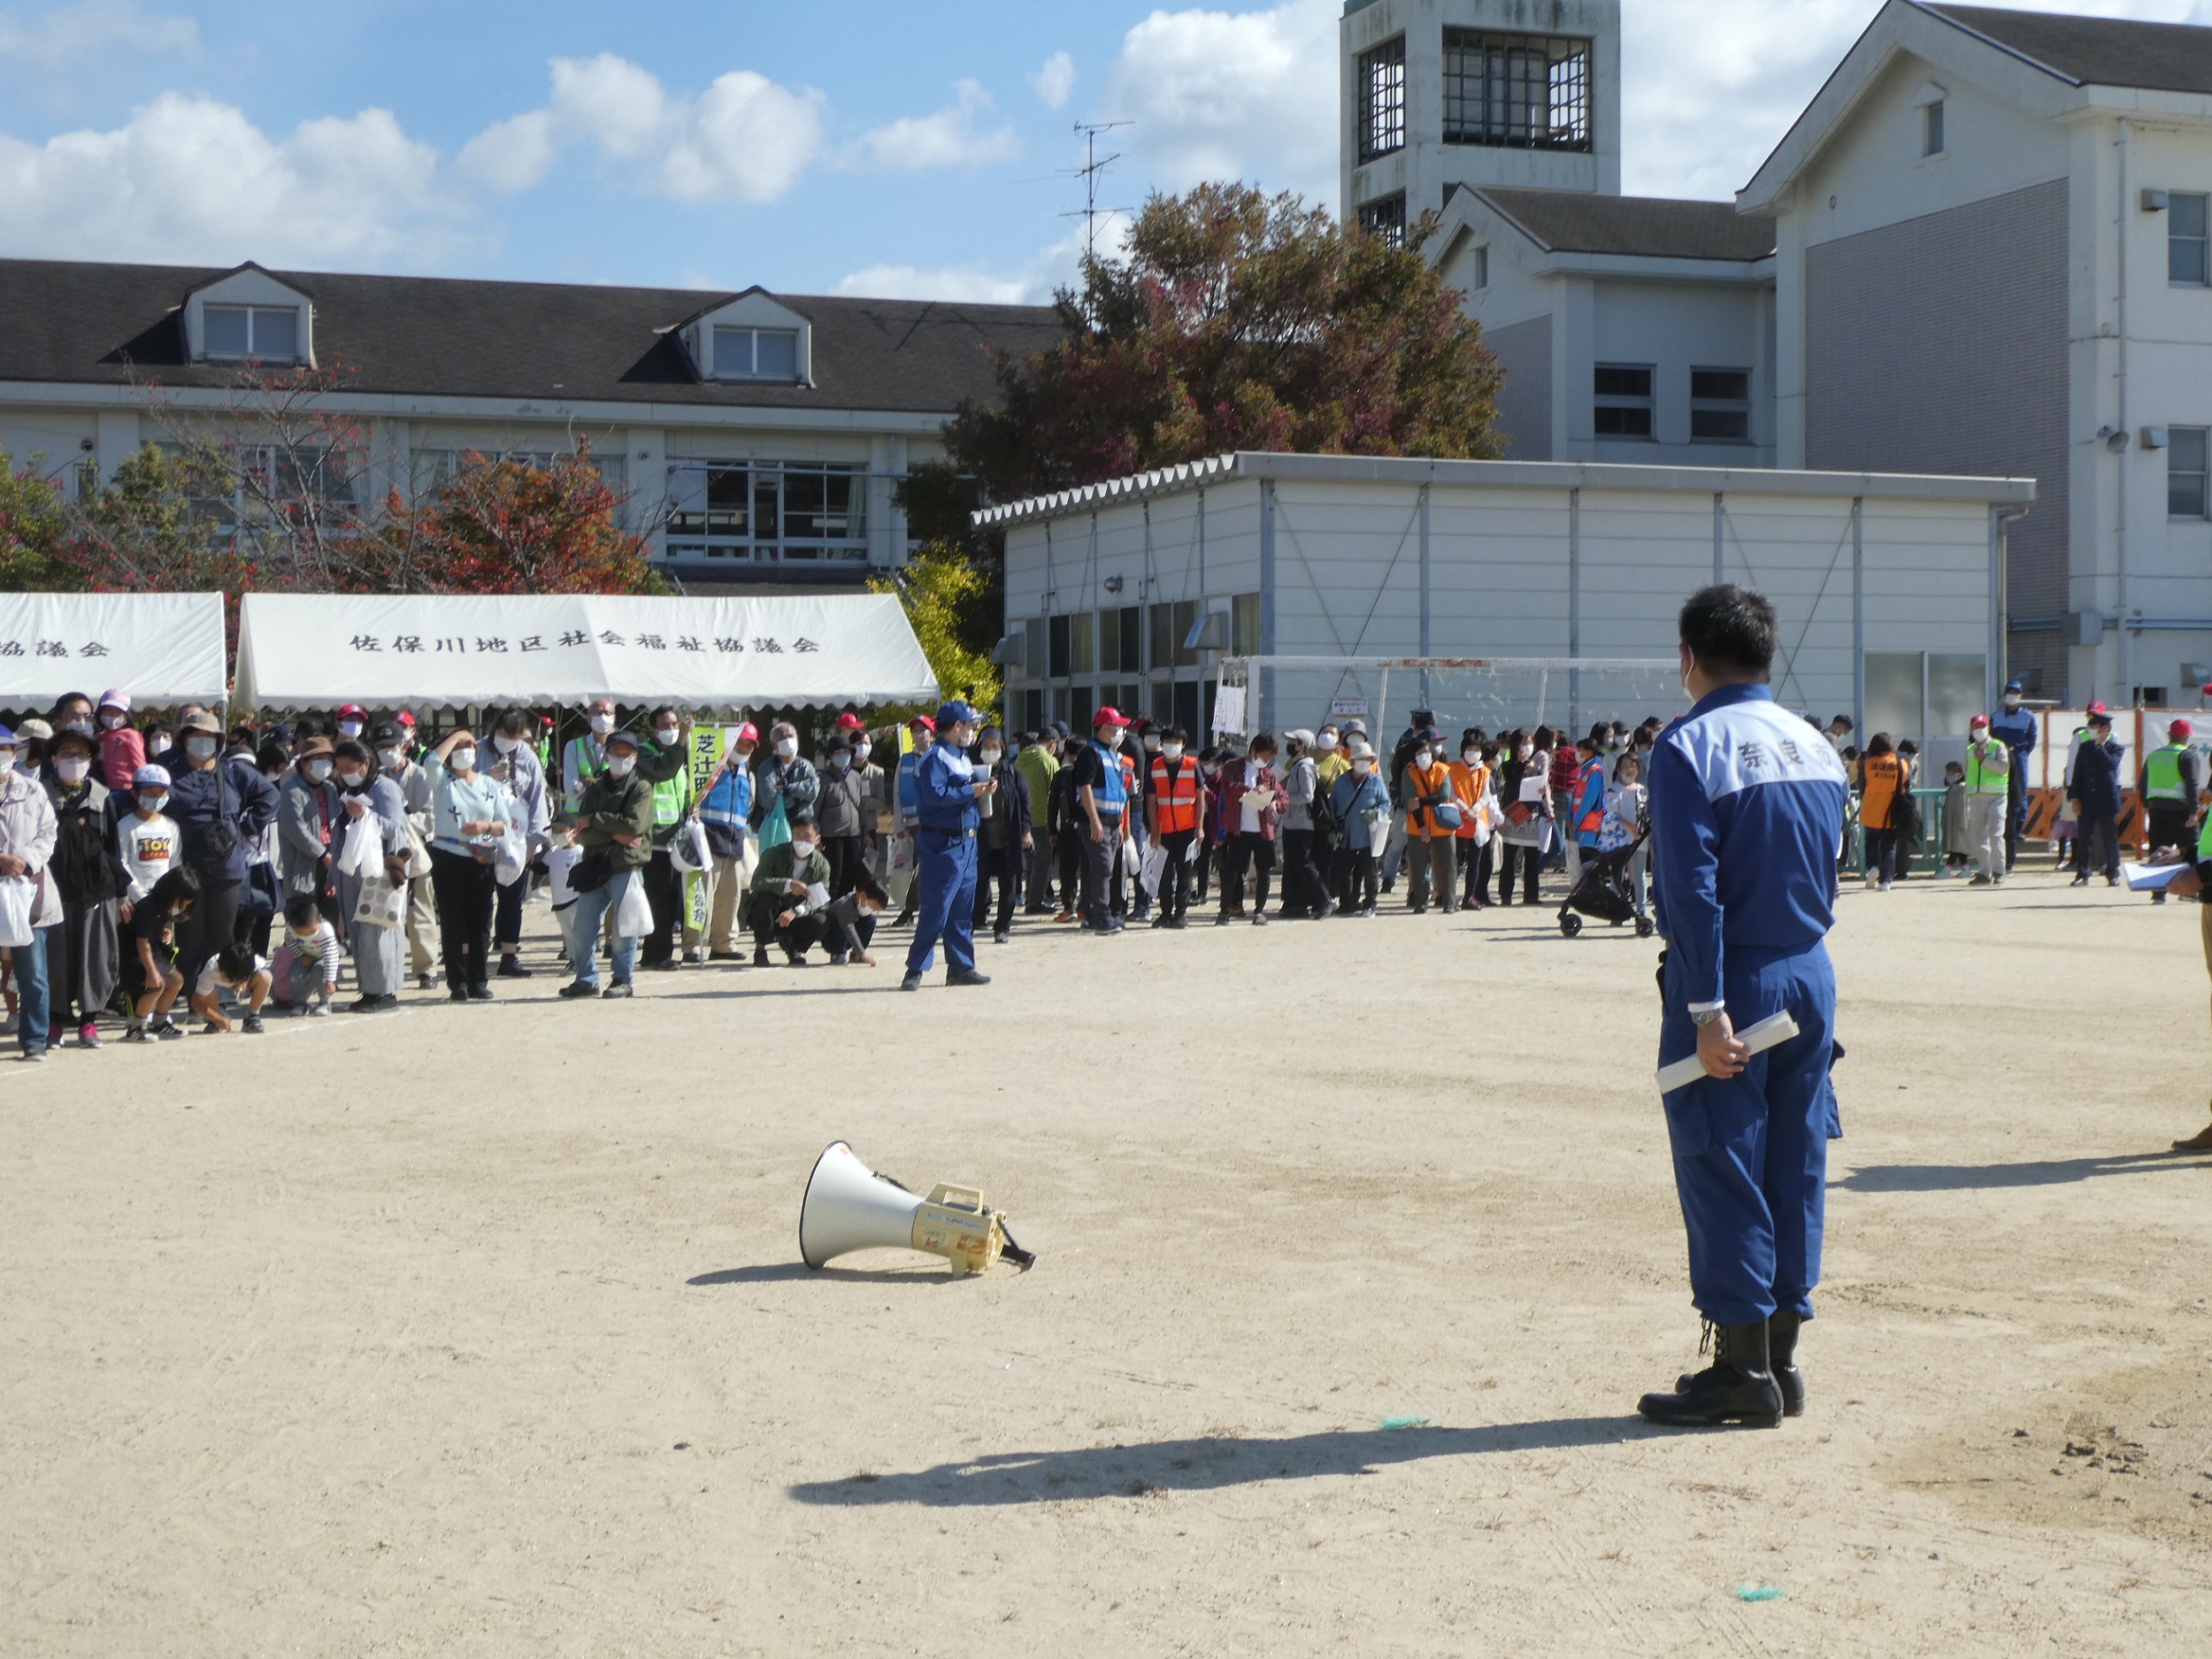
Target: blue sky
x,y
857,146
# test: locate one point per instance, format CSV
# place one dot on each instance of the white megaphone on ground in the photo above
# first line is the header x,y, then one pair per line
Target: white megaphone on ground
x,y
849,1207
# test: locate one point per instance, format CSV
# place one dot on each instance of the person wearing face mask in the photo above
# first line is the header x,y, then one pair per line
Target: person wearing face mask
x,y
1064,819
1003,839
122,750
838,810
472,813
2014,724
222,804
32,737
788,780
1525,798
790,891
391,746
947,796
584,756
516,764
307,825
1101,793
1478,817
1361,803
1305,896
665,764
1250,802
28,833
145,836
73,713
82,954
879,810
1172,806
726,813
615,831
1432,814
377,951
350,723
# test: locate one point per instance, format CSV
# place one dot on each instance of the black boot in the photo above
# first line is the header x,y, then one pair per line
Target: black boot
x,y
1781,1359
1738,1386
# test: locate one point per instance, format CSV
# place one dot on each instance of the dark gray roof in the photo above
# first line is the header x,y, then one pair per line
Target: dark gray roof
x,y
437,336
1575,221
2097,51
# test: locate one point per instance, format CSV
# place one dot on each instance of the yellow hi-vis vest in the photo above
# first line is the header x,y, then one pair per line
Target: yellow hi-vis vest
x,y
2161,775
671,800
1982,778
2204,840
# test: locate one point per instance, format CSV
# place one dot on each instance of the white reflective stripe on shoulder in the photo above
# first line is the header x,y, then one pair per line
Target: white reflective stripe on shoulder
x,y
1740,744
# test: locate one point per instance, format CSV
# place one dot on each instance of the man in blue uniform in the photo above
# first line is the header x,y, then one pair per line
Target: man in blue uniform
x,y
2014,725
1747,806
946,787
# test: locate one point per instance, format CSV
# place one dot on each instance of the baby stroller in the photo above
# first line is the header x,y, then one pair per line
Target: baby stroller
x,y
1601,892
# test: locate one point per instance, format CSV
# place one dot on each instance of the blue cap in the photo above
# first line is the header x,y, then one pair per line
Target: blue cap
x,y
7,736
2014,688
952,714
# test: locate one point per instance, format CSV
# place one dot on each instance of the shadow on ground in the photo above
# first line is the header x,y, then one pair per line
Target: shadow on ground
x,y
772,1273
1201,1465
1947,1178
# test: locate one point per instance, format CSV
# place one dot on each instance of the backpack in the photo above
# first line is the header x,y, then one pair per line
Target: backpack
x,y
214,843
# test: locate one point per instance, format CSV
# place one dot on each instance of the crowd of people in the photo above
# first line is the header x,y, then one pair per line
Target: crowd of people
x,y
184,868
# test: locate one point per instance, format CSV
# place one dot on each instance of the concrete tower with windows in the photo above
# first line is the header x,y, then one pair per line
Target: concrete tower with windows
x,y
1438,93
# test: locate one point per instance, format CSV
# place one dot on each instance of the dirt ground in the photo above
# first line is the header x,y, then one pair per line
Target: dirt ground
x,y
481,1331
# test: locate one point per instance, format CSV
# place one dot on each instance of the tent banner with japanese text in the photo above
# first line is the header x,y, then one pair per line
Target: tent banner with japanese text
x,y
313,650
161,648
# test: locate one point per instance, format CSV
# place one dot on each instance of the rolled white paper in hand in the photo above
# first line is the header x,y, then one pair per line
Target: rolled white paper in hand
x,y
1768,1032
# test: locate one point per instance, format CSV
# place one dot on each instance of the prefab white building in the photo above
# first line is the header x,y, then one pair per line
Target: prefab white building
x,y
1136,592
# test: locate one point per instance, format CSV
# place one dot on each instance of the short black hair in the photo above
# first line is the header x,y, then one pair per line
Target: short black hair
x,y
179,885
1729,629
303,912
235,962
1175,735
800,817
869,889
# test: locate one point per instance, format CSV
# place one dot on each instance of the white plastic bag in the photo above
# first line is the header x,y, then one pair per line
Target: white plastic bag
x,y
689,851
1155,864
511,856
19,898
364,850
380,905
633,917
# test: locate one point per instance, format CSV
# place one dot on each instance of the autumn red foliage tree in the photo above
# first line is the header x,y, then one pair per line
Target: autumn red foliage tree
x,y
506,526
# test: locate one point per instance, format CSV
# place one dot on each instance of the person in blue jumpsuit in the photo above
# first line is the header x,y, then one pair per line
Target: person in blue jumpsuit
x,y
2014,726
1746,807
946,787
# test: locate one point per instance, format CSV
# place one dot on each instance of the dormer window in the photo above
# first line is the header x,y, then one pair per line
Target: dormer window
x,y
756,354
270,334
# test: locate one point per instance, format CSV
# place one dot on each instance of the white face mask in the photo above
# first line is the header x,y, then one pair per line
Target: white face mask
x,y
348,728
393,758
843,761
786,747
81,726
462,760
353,780
318,770
110,722
861,751
1327,740
1362,767
1472,757
506,745
1422,758
668,737
1153,742
2011,701
602,724
990,756
200,747
1174,751
621,765
150,805
802,850
72,771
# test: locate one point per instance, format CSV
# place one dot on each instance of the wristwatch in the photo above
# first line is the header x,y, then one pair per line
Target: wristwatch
x,y
1708,1016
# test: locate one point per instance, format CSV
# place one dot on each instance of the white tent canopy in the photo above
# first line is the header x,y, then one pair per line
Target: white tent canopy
x,y
312,650
161,648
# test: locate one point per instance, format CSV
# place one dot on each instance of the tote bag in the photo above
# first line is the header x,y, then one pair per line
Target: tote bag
x,y
382,903
633,919
775,829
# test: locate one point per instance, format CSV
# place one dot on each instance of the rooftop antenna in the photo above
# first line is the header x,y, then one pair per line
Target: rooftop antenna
x,y
1089,172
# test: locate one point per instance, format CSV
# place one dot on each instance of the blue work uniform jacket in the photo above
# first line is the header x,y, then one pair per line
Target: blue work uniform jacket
x,y
2015,729
2095,781
944,794
1747,817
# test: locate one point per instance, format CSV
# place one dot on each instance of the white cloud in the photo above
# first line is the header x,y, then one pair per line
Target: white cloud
x,y
191,179
1055,79
1220,95
744,138
1053,268
1713,85
93,27
949,138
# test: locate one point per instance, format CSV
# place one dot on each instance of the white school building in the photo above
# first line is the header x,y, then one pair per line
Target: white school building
x,y
1137,592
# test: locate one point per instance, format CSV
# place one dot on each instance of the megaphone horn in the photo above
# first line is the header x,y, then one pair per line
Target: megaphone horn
x,y
850,1206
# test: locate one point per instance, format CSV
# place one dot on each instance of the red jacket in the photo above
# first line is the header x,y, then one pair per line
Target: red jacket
x,y
1236,777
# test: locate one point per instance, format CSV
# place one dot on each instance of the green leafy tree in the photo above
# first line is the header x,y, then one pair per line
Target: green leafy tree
x,y
949,602
33,532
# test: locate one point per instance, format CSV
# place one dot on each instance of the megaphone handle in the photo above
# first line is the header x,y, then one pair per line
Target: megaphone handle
x,y
1014,1253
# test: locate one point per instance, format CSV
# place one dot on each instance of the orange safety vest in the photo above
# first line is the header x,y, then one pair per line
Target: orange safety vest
x,y
1437,779
1469,783
1175,795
